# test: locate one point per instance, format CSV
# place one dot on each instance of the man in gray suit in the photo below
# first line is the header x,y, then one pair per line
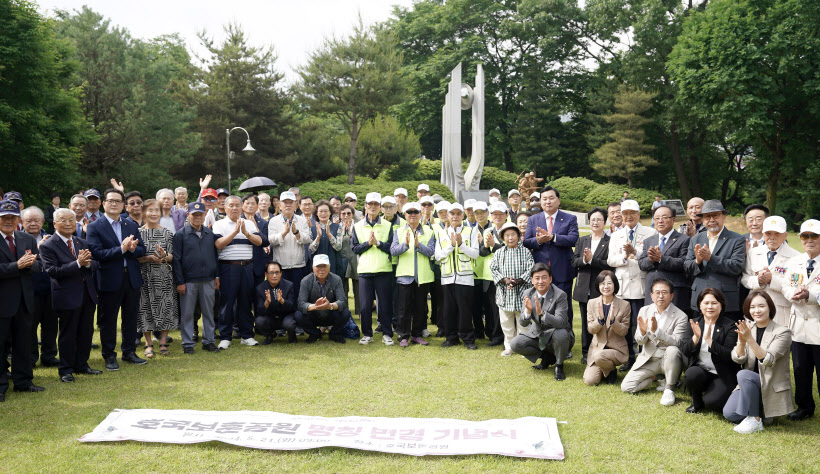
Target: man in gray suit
x,y
322,302
548,335
663,255
715,259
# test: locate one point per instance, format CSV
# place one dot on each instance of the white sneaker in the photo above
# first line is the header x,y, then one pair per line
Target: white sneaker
x,y
749,425
506,353
365,340
668,398
387,340
224,345
249,342
425,333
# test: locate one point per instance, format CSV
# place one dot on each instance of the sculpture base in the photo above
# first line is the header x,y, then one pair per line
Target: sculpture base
x,y
480,195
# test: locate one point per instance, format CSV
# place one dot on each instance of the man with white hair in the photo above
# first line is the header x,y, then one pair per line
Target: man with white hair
x,y
44,316
765,267
181,196
288,233
322,302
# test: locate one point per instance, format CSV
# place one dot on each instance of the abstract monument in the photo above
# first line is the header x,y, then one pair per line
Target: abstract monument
x,y
462,97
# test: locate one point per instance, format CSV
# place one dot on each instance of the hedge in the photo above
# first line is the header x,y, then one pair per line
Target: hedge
x,y
338,186
603,194
428,170
574,189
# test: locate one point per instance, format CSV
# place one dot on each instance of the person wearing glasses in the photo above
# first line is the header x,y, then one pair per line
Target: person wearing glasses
x,y
275,306
802,288
350,261
209,197
350,200
133,207
663,255
116,243
715,259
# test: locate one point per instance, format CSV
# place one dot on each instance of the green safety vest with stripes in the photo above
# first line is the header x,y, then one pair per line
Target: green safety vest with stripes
x,y
482,264
406,266
373,260
463,263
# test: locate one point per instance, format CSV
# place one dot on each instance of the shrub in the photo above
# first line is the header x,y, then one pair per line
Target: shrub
x,y
575,189
603,194
575,206
492,177
430,170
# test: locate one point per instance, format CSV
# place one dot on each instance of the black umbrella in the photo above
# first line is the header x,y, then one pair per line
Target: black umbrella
x,y
257,183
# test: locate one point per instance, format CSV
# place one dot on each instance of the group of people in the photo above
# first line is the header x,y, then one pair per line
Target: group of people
x,y
722,309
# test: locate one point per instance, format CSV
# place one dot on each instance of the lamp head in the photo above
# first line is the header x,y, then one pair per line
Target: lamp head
x,y
248,148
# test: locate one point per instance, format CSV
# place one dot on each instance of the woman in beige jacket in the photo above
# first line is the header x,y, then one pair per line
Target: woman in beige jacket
x,y
762,349
608,321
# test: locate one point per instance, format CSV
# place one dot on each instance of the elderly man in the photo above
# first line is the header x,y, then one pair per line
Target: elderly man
x,y
422,190
371,241
351,200
400,195
390,213
322,302
196,274
754,215
235,240
288,234
695,223
514,200
94,202
616,219
221,195
275,305
535,200
43,315
765,267
485,300
67,261
715,259
660,330
78,205
663,256
802,288
548,335
469,213
133,207
181,196
18,261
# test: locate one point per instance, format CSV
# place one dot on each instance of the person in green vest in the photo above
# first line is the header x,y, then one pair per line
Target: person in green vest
x,y
390,213
371,242
456,248
485,289
413,245
428,211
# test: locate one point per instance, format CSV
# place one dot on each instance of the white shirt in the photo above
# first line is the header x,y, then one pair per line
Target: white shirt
x,y
593,244
713,240
704,356
760,242
290,250
65,242
240,248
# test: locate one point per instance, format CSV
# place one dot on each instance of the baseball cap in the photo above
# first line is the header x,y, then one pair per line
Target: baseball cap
x,y
411,205
426,199
373,197
9,208
495,190
225,191
320,259
480,206
630,205
498,207
442,206
455,207
92,193
810,226
195,207
423,187
388,200
400,191
775,224
351,196
287,195
535,194
210,192
468,204
513,191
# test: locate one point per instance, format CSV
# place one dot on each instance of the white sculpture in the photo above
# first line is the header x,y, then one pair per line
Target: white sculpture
x,y
462,97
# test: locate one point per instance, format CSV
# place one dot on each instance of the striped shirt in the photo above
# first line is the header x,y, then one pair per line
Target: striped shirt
x,y
240,248
511,263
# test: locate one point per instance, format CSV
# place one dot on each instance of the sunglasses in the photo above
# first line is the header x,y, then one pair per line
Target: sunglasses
x,y
347,213
350,200
209,199
427,204
412,211
808,236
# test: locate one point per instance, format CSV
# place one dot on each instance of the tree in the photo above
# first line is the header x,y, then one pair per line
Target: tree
x,y
353,79
751,67
383,143
627,155
42,128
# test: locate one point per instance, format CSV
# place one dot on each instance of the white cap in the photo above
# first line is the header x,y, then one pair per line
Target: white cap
x,y
480,206
496,191
442,206
320,259
426,199
535,194
513,191
775,224
456,207
630,205
811,225
412,205
498,207
373,197
287,195
423,187
399,191
468,204
493,200
388,199
351,195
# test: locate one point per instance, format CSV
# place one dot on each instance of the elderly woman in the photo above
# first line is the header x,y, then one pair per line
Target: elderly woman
x,y
327,237
589,260
349,259
264,207
608,321
166,202
762,350
158,309
521,221
711,374
510,267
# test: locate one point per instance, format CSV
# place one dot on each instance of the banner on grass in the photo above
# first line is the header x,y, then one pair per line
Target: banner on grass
x,y
528,437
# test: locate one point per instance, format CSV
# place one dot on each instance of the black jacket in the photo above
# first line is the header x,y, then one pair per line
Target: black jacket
x,y
275,310
585,287
724,339
195,258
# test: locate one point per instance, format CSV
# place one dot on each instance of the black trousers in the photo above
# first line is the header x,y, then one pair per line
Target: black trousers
x,y
806,362
45,317
458,317
478,309
635,305
76,331
586,337
377,286
489,308
412,309
311,321
436,304
126,301
266,324
15,332
707,389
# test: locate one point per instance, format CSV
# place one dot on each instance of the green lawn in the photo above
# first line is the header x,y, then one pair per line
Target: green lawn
x,y
606,431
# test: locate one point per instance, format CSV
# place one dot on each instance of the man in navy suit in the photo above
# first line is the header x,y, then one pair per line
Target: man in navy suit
x,y
18,260
551,235
67,261
116,244
663,256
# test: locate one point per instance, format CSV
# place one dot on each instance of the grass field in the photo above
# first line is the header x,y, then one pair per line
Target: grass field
x,y
605,430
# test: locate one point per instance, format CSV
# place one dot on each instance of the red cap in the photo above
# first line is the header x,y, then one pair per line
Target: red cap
x,y
210,192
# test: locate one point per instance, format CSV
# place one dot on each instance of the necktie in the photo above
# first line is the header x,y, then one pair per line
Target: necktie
x,y
809,267
770,256
71,247
631,235
11,246
93,217
663,243
549,224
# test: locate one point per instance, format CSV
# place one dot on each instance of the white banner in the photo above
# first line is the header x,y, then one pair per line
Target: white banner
x,y
527,437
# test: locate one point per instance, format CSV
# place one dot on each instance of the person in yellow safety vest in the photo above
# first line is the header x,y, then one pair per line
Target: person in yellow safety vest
x,y
390,214
413,245
442,218
371,242
484,301
456,248
469,218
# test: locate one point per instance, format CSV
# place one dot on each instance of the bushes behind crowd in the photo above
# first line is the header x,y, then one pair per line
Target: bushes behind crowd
x,y
338,186
588,193
430,170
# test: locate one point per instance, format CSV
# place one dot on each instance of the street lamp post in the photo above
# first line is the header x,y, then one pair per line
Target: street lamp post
x,y
248,149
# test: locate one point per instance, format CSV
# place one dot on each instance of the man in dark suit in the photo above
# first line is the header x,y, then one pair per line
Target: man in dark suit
x,y
250,204
550,235
322,302
67,261
79,204
715,259
275,305
116,244
18,260
663,256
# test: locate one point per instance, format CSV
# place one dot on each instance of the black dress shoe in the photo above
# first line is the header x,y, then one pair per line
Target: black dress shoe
x,y
495,342
540,366
559,372
111,364
378,328
692,409
471,346
90,371
337,339
210,347
187,350
196,337
612,378
439,333
68,378
31,388
134,359
449,343
800,414
584,360
626,367
291,338
312,338
50,363
2,397
267,341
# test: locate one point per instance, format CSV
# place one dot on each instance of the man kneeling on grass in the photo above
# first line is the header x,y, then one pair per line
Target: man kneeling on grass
x,y
322,302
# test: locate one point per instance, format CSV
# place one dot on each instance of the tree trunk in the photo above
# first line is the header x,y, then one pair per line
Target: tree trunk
x,y
774,179
694,164
673,142
351,157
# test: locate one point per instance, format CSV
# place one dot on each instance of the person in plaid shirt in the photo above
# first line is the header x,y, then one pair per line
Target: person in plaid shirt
x,y
510,268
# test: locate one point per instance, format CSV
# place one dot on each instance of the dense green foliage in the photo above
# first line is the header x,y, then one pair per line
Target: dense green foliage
x,y
338,187
582,194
